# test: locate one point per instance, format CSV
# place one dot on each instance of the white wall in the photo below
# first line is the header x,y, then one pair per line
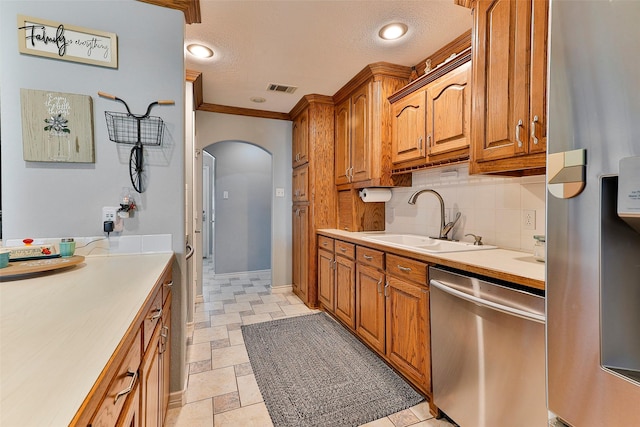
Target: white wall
x,y
275,137
491,207
65,199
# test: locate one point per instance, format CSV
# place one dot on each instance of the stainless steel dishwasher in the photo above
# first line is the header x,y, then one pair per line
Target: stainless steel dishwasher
x,y
488,352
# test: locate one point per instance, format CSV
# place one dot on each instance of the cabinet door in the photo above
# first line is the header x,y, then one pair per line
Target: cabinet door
x,y
300,181
448,111
500,85
326,281
538,95
408,128
151,377
407,323
300,251
345,291
130,416
300,149
342,142
165,358
370,306
360,135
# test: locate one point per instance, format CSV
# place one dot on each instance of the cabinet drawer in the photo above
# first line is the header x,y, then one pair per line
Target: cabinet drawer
x,y
122,385
325,243
406,268
345,249
370,256
152,318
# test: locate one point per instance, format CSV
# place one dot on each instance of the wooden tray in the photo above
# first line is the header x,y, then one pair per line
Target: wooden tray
x,y
35,266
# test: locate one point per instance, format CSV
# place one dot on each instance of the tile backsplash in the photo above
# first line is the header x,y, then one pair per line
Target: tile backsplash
x,y
491,207
113,245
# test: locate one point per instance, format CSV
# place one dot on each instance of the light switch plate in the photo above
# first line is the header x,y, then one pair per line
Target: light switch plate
x,y
279,192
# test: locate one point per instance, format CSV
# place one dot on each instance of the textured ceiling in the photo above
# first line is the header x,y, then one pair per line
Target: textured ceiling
x,y
317,46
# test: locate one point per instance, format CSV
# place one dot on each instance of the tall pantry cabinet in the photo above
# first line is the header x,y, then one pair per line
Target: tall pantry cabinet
x,y
314,195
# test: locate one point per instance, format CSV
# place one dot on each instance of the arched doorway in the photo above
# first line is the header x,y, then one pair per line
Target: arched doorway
x,y
241,198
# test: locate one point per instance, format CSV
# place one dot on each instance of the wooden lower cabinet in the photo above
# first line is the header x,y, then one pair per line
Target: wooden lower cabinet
x,y
345,290
155,371
384,298
130,416
408,335
134,390
326,279
300,250
370,306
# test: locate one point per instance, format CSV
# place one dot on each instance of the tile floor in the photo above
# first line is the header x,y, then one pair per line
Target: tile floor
x,y
222,390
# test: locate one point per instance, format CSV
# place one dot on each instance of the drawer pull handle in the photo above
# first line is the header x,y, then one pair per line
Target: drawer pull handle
x,y
518,126
168,285
158,314
367,257
386,286
533,129
134,378
343,249
379,283
164,333
405,269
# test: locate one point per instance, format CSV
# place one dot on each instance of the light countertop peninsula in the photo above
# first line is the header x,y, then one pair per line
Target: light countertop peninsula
x,y
58,330
508,265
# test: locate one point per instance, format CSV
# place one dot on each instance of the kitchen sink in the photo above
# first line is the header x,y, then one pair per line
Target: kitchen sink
x,y
425,244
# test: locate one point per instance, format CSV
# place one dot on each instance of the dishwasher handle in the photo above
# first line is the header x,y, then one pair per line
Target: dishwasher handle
x,y
476,300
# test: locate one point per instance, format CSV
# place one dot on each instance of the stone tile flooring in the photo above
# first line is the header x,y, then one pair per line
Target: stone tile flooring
x,y
222,390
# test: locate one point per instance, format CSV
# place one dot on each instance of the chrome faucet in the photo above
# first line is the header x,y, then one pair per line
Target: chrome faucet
x,y
444,228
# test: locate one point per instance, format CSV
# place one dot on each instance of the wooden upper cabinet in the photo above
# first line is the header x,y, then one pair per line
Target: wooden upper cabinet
x,y
360,135
408,128
431,116
300,151
449,111
509,85
342,142
363,126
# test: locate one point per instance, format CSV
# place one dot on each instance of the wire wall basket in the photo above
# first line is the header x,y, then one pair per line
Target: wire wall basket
x,y
125,128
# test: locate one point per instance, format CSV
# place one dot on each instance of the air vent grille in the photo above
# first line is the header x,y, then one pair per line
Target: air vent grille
x,y
281,88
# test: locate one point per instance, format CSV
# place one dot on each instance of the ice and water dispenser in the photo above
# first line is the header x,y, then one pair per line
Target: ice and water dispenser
x,y
620,270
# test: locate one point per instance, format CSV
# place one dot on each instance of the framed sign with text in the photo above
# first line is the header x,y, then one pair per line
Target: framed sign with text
x,y
50,39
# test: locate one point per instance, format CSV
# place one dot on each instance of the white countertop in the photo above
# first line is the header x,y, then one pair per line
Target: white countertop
x,y
504,264
58,331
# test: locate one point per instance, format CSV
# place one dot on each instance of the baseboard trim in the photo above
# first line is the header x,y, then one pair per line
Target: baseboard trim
x,y
281,289
176,399
242,274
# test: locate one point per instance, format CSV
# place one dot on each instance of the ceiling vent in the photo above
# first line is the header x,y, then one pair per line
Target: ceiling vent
x,y
281,88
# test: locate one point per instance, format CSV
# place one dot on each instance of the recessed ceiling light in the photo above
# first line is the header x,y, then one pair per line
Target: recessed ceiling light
x,y
257,99
199,50
393,31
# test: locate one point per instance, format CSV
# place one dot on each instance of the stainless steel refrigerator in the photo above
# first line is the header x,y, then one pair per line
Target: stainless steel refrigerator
x,y
593,205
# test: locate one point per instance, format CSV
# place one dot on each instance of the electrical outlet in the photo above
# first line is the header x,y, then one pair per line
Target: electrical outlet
x,y
109,214
529,219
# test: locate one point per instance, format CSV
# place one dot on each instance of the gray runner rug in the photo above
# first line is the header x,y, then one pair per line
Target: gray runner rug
x,y
313,372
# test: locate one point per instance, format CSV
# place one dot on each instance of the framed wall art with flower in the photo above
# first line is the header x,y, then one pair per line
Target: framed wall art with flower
x,y
57,127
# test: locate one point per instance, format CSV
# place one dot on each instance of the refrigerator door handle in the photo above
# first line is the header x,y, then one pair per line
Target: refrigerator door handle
x,y
503,308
